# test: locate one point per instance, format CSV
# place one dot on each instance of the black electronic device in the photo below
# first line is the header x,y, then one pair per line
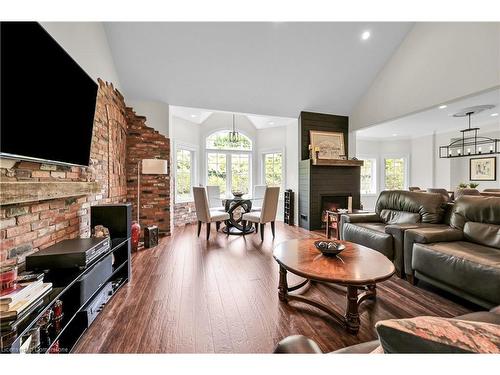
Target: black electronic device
x,y
73,253
44,97
94,307
94,278
150,236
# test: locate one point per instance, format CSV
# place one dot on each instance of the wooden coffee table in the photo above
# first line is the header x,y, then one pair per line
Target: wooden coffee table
x,y
357,268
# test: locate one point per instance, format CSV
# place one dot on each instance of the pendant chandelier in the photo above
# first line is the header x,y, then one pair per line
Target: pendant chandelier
x,y
470,144
234,137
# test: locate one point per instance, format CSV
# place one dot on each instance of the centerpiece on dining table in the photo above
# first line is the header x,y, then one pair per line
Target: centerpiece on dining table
x,y
238,194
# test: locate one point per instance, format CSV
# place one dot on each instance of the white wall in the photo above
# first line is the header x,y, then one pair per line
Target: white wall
x,y
442,167
87,44
436,63
184,131
156,114
422,161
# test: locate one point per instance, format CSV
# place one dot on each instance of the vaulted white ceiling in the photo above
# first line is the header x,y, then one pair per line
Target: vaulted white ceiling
x,y
198,116
273,68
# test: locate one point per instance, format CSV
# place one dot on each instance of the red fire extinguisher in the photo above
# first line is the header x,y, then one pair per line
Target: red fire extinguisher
x,y
136,234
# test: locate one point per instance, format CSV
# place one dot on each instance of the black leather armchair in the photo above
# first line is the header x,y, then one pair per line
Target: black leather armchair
x,y
464,258
299,344
396,211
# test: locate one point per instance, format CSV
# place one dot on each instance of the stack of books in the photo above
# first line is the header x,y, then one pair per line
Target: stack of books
x,y
22,300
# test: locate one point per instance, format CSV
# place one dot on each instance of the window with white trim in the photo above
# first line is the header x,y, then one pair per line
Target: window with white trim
x,y
229,164
395,173
369,176
273,169
184,174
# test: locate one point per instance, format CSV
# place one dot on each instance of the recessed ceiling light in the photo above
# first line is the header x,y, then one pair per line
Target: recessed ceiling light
x,y
442,106
494,115
394,135
193,116
366,35
271,122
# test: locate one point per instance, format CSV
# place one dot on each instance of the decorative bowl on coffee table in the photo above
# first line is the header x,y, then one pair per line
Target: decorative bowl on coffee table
x,y
329,248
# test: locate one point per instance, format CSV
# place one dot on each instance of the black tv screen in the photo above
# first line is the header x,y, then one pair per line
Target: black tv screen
x,y
47,101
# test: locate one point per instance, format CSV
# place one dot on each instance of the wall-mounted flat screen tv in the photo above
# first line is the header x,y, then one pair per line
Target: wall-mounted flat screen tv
x,y
47,101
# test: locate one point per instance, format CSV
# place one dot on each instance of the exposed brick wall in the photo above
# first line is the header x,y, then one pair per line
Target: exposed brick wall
x,y
144,142
184,213
25,228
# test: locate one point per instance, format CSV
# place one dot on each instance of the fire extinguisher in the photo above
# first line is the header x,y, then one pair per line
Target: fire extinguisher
x,y
136,234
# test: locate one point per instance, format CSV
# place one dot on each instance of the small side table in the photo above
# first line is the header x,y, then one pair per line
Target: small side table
x,y
333,222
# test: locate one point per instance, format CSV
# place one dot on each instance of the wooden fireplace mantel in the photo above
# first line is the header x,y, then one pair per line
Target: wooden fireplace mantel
x,y
337,163
32,191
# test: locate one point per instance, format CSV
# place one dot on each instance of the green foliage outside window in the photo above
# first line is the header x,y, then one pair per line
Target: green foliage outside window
x,y
220,164
183,175
217,174
220,141
395,174
273,169
240,172
368,177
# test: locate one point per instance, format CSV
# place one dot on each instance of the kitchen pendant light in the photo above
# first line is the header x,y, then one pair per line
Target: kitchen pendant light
x,y
470,144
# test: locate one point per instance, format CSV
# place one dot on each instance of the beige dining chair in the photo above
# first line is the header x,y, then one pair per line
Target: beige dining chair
x,y
214,199
266,215
258,197
203,212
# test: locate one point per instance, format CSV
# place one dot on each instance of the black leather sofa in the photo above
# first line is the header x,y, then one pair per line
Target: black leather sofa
x,y
299,344
395,212
463,258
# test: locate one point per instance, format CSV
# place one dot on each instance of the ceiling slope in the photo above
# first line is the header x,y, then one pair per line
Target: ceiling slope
x,y
274,68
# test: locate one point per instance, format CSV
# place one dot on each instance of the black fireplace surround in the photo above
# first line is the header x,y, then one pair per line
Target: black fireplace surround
x,y
318,182
333,202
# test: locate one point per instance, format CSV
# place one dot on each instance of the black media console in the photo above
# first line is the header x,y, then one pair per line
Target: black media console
x,y
81,305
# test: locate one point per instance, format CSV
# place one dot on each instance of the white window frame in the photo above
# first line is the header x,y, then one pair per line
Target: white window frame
x,y
375,174
406,159
229,154
193,149
262,172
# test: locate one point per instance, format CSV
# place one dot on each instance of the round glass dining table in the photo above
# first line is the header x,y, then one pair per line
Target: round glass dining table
x,y
236,207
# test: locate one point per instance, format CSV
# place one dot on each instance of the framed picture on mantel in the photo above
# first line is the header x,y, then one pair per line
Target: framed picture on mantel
x,y
483,169
327,145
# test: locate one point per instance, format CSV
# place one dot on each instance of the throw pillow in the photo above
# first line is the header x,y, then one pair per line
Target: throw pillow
x,y
428,334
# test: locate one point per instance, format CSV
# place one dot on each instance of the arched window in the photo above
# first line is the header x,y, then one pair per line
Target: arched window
x,y
220,141
229,164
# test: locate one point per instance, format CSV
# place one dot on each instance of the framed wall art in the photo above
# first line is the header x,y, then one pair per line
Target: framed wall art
x,y
483,169
327,145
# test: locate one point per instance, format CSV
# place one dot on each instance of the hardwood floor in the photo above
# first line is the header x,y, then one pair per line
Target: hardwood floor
x,y
189,295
